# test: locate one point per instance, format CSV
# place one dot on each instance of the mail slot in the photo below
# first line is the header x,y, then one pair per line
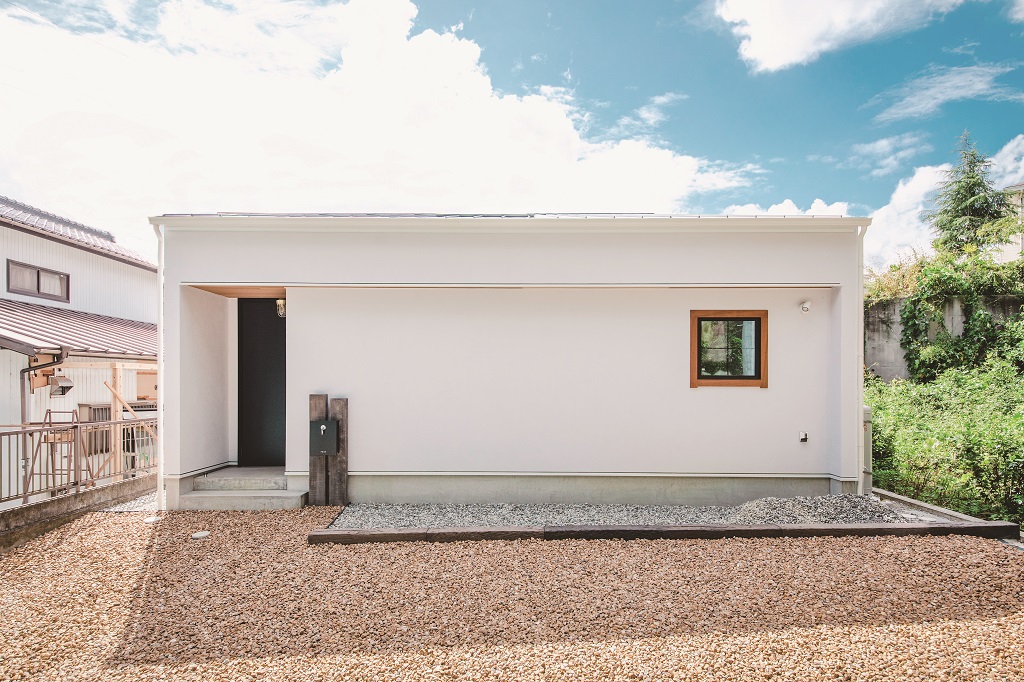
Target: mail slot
x,y
323,437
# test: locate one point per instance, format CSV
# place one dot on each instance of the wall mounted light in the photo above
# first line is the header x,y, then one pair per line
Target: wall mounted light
x,y
60,385
280,307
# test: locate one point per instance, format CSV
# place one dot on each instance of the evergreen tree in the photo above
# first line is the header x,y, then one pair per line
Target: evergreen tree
x,y
970,212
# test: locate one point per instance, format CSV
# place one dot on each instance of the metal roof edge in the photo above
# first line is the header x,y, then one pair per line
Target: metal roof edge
x,y
29,328
11,344
515,223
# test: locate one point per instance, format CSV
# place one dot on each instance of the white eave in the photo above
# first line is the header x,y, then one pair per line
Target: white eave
x,y
507,223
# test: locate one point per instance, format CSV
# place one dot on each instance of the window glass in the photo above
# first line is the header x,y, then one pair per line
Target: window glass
x,y
729,348
22,278
30,280
53,284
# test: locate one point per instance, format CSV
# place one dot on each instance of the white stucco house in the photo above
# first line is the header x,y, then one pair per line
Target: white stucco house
x,y
518,358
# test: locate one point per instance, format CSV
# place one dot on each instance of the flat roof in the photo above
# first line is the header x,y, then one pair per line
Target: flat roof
x,y
509,222
658,216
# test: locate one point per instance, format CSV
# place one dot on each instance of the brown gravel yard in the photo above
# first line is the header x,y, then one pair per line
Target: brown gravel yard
x,y
108,597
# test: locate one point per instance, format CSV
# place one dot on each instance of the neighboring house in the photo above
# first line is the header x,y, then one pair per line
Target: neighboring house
x,y
72,288
1013,249
532,358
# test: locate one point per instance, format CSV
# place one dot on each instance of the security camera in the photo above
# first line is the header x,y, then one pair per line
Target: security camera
x,y
805,307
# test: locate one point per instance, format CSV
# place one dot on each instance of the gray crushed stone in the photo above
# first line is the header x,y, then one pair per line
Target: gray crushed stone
x,y
769,510
146,503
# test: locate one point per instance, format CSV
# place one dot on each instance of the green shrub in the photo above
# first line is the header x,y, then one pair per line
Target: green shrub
x,y
957,441
975,280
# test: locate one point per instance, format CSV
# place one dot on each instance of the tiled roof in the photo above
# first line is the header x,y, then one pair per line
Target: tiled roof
x,y
31,328
100,241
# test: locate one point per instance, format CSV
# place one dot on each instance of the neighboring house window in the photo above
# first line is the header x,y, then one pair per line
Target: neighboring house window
x,y
729,348
30,280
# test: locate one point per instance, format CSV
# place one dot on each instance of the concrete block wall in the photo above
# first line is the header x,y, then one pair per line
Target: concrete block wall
x,y
882,329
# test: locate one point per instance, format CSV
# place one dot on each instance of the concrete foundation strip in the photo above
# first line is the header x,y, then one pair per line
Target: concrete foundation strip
x,y
20,524
349,536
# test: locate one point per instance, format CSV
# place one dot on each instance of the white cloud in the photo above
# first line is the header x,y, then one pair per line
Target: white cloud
x,y
778,34
299,106
897,228
965,48
647,117
925,94
653,113
1008,163
1017,11
788,207
887,155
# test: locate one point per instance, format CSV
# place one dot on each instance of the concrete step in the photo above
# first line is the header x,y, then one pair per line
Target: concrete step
x,y
234,500
242,478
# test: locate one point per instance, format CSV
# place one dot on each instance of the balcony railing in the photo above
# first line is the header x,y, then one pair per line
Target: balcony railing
x,y
40,462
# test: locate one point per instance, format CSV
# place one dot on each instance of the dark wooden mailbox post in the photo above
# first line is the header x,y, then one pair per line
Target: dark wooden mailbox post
x,y
328,450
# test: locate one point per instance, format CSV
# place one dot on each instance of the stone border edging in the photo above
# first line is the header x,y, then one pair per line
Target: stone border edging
x,y
350,536
924,506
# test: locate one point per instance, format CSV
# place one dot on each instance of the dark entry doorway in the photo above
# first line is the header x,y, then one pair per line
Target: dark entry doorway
x,y
261,383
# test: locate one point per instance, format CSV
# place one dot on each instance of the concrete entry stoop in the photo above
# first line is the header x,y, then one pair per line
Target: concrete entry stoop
x,y
238,488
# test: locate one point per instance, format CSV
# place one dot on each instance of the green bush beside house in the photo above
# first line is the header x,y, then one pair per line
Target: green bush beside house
x,y
957,441
953,434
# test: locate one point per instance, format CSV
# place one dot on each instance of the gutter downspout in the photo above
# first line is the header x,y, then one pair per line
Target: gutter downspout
x,y
22,381
161,493
864,478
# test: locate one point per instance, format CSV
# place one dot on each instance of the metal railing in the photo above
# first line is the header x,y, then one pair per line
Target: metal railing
x,y
40,462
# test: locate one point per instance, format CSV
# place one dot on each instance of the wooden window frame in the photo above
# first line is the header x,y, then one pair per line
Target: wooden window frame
x,y
696,316
36,293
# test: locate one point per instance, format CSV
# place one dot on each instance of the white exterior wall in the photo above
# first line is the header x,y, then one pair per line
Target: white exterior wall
x,y
451,366
195,393
555,381
97,284
11,364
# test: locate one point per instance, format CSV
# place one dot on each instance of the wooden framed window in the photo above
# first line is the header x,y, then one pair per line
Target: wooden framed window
x,y
30,280
729,348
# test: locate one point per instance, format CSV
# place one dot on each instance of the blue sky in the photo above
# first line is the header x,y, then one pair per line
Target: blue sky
x,y
128,109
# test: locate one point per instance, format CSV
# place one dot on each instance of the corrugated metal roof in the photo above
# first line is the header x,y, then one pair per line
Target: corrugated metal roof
x,y
100,241
42,329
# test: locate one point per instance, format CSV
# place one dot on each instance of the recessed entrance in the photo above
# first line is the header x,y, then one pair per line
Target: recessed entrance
x,y
261,383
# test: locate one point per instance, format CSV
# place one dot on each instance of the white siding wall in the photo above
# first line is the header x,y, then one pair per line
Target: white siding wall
x,y
97,284
88,388
10,400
